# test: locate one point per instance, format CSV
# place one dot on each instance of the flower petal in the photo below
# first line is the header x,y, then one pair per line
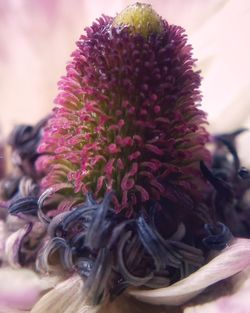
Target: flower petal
x,y
13,245
230,261
21,289
125,304
236,301
2,239
66,297
6,310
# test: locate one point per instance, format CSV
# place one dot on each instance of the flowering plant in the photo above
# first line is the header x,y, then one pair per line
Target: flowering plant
x,y
116,192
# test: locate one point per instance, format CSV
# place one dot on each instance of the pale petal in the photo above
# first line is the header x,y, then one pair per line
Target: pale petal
x,y
14,223
2,239
126,304
8,310
235,302
230,261
66,297
13,243
20,289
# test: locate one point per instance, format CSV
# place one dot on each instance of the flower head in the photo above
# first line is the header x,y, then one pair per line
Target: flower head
x,y
127,116
122,152
129,202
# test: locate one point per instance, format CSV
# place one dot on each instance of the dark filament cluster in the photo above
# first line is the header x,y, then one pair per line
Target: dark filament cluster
x,y
19,193
155,248
112,252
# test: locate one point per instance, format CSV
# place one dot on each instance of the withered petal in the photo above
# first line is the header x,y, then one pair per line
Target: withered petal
x,y
229,262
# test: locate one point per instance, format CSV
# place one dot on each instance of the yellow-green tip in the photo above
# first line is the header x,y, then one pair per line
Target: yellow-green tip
x,y
141,18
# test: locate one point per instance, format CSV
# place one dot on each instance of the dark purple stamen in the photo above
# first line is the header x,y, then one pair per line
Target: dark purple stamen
x,y
222,187
24,141
27,205
244,173
218,236
103,245
152,244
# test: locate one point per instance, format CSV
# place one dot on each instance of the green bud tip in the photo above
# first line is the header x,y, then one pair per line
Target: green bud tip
x,y
141,18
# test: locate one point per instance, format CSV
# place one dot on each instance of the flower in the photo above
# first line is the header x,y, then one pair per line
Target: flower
x,y
127,116
122,151
115,234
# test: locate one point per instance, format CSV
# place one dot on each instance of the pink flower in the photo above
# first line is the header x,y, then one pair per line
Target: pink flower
x,y
130,95
134,216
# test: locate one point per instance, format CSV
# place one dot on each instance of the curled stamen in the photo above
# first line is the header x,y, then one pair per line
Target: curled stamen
x,y
180,233
26,205
177,235
132,251
118,289
244,173
98,225
152,244
84,266
117,231
25,139
159,280
78,240
230,137
189,254
90,199
80,213
129,277
96,282
55,222
46,194
27,187
221,186
66,258
54,245
9,186
231,148
218,237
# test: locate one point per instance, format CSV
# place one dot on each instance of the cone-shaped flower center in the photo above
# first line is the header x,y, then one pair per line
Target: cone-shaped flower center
x,y
127,116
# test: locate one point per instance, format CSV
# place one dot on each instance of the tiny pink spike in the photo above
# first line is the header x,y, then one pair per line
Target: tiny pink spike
x,y
130,96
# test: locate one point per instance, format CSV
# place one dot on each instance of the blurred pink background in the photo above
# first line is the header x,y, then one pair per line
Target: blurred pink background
x,y
37,37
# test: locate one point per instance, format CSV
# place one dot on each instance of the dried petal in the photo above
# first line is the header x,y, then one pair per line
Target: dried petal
x,y
20,289
236,299
66,297
228,263
13,245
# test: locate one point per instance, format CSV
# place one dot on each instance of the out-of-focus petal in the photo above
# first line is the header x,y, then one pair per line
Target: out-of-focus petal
x,y
2,239
66,297
14,223
13,244
212,42
6,310
236,302
230,261
125,304
2,165
20,289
